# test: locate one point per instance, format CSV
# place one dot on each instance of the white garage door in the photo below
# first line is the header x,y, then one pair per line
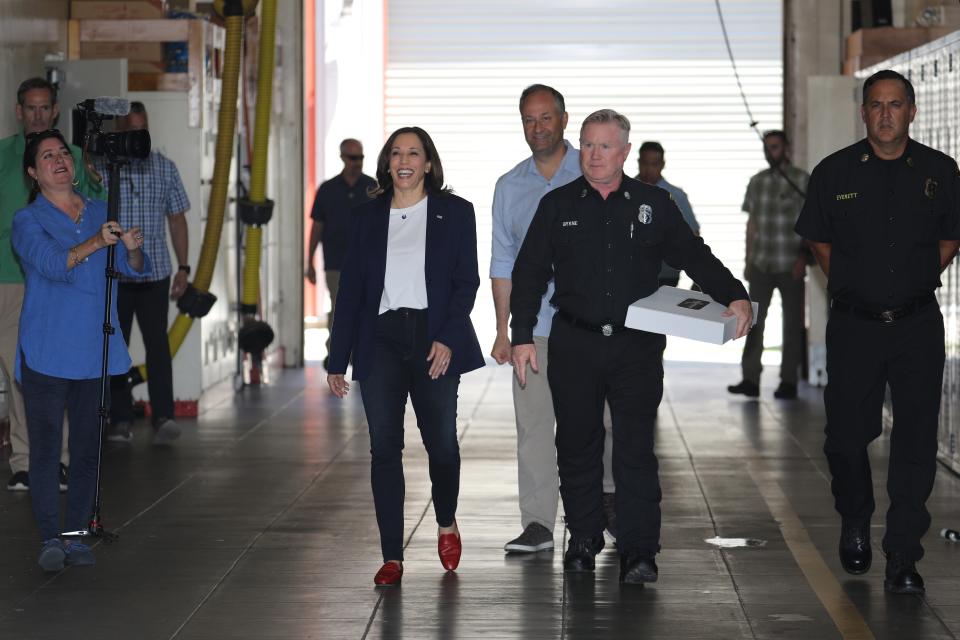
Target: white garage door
x,y
457,67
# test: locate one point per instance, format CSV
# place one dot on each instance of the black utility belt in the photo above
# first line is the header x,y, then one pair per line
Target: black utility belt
x,y
605,329
886,316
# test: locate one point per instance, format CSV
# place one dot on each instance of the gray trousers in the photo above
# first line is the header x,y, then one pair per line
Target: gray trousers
x,y
762,285
537,477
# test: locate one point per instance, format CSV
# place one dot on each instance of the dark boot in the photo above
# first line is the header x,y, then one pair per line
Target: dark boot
x,y
580,554
902,575
856,554
746,388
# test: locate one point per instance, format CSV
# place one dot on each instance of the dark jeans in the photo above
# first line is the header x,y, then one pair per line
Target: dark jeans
x,y
626,369
863,357
150,301
400,368
791,290
45,398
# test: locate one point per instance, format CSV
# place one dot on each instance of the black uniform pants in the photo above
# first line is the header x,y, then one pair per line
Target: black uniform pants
x,y
150,302
863,357
626,369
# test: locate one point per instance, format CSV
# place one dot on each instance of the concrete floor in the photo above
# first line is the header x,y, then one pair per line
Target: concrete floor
x,y
259,524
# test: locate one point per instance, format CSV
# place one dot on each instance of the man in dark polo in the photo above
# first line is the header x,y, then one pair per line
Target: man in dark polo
x,y
883,220
331,220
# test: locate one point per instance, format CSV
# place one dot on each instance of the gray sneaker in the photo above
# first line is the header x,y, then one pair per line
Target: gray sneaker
x,y
167,431
78,554
52,555
119,432
535,537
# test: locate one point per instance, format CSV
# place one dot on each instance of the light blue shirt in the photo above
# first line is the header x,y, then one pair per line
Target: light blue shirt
x,y
515,200
683,203
61,322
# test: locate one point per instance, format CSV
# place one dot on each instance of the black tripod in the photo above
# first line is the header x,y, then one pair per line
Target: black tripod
x,y
95,527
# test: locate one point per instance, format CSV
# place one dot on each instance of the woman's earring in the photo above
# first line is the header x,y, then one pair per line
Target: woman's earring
x,y
76,182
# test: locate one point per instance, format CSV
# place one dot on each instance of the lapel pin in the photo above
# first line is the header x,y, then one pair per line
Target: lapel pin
x,y
626,194
583,194
864,157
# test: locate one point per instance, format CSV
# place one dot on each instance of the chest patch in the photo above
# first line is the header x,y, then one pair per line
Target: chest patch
x,y
645,214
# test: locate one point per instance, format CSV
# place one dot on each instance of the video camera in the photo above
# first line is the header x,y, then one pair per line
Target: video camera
x,y
88,133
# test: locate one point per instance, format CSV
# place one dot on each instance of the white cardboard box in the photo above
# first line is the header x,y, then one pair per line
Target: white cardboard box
x,y
684,313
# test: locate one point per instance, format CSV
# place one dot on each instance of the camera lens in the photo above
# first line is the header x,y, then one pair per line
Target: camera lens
x,y
129,144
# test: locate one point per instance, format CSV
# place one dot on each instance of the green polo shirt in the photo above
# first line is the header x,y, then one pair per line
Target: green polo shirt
x,y
14,194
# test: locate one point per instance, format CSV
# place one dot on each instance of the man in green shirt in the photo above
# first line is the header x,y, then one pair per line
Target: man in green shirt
x,y
37,110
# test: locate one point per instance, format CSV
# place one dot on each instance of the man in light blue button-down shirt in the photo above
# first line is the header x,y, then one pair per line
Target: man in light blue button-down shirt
x,y
553,163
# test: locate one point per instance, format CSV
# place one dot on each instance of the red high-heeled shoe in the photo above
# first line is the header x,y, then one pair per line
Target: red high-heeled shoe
x,y
389,575
449,548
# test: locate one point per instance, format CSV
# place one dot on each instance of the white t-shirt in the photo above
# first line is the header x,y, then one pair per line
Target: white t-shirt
x,y
405,285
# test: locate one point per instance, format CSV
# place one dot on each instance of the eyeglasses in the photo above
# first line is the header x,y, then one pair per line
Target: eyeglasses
x,y
351,156
42,134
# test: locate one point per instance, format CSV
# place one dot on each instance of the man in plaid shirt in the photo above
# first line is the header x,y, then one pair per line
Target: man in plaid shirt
x,y
151,192
775,259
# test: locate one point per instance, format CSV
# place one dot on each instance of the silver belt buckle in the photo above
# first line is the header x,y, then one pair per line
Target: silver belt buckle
x,y
887,316
606,330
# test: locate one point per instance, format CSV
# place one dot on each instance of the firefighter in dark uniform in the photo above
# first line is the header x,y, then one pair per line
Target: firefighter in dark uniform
x,y
882,219
603,238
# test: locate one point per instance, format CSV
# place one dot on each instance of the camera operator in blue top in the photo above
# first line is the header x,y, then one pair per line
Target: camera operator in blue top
x,y
58,238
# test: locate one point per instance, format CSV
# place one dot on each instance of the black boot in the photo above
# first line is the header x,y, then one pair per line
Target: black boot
x,y
902,576
637,568
747,388
786,391
856,554
580,554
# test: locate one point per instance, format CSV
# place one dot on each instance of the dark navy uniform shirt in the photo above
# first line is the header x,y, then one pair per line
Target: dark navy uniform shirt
x,y
335,198
884,220
605,255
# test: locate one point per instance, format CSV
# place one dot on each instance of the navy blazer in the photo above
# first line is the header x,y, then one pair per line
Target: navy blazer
x,y
451,274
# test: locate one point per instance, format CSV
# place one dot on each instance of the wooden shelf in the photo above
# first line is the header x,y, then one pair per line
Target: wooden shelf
x,y
205,42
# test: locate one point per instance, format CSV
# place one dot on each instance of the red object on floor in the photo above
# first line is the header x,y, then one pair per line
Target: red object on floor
x,y
389,575
181,408
449,548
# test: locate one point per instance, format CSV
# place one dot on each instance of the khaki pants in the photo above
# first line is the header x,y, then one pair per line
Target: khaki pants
x,y
537,478
333,286
11,300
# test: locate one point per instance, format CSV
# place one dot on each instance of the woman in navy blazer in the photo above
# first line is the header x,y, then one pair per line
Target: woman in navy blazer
x,y
403,316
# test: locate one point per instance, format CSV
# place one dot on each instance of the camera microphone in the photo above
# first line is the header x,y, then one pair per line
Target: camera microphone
x,y
108,106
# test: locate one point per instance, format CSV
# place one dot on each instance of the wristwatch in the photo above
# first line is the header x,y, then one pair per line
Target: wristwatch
x,y
184,267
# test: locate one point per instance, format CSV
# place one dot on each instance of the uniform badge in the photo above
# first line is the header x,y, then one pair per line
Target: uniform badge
x,y
930,187
645,214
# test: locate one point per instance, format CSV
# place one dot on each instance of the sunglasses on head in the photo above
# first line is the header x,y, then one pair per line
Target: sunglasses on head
x,y
352,156
49,133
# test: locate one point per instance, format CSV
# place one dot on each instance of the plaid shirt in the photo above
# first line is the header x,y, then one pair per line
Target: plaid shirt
x,y
150,190
774,206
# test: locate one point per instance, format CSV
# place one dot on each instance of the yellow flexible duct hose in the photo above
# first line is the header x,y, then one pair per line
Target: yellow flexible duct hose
x,y
226,131
261,140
